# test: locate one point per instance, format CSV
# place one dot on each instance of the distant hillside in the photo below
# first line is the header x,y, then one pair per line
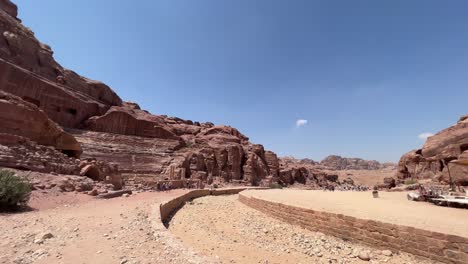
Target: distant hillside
x,y
335,162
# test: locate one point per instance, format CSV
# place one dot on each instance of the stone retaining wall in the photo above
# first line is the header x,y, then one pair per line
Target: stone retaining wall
x,y
432,245
168,208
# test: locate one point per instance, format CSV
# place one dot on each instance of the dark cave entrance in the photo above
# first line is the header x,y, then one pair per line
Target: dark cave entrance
x,y
72,111
463,147
71,153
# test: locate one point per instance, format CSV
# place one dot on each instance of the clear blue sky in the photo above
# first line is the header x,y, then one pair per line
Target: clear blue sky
x,y
368,76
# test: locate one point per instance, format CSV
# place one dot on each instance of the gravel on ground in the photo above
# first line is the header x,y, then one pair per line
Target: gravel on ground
x,y
225,229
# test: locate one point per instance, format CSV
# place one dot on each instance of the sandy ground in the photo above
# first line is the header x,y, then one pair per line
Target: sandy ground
x,y
391,207
224,228
89,231
49,199
365,177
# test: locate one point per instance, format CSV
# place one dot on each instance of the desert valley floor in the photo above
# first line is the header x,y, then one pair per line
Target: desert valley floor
x,y
74,228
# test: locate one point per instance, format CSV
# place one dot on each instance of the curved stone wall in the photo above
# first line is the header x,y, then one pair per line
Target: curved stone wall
x,y
432,245
168,208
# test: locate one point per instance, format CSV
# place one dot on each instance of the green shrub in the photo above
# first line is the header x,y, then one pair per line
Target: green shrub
x,y
14,191
276,186
410,181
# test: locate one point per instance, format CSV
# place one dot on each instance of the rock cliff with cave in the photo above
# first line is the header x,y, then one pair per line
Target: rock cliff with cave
x,y
72,119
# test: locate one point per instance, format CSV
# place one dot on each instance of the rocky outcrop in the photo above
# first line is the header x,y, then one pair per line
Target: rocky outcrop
x,y
40,97
65,107
10,8
28,70
273,163
19,46
21,153
102,172
21,118
335,162
125,121
442,157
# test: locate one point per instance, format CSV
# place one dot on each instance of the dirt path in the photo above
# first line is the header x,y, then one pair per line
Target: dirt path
x,y
224,228
96,231
391,207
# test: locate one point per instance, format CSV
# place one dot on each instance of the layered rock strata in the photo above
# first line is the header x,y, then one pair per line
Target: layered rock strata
x,y
443,158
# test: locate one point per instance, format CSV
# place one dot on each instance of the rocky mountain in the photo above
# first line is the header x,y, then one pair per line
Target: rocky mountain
x,y
55,121
334,162
77,119
444,157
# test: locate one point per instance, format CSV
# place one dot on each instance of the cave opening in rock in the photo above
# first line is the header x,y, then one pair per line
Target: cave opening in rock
x,y
449,159
72,111
71,153
463,147
441,165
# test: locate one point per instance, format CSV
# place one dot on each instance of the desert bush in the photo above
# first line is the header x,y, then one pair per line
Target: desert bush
x,y
14,191
275,186
410,181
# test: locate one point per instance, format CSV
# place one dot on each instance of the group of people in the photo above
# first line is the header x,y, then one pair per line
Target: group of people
x,y
354,188
165,186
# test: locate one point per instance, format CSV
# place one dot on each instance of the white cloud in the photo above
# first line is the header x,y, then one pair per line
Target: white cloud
x,y
425,135
301,122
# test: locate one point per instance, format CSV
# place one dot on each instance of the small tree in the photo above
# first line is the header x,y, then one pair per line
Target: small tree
x,y
14,191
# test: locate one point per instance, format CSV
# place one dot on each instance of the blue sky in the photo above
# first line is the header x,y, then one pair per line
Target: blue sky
x,y
368,76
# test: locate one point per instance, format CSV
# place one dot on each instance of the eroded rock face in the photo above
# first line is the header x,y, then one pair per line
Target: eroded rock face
x,y
68,109
335,162
125,121
273,163
21,153
20,47
102,171
440,151
448,143
21,118
10,8
39,95
255,169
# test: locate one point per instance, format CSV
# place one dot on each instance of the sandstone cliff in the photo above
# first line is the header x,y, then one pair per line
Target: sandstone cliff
x,y
40,99
340,163
335,162
446,151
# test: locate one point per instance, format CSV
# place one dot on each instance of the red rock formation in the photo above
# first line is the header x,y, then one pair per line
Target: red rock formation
x,y
125,121
255,169
439,154
9,8
21,153
145,147
273,163
64,107
21,118
335,162
19,46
